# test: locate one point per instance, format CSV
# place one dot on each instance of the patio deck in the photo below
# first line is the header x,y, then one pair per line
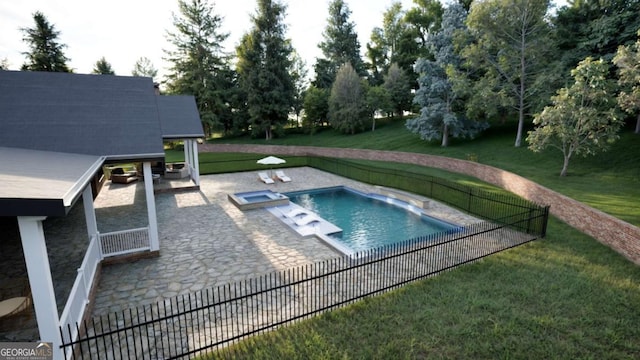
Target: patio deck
x,y
205,241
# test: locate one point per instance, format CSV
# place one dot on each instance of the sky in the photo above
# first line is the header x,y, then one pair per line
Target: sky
x,y
124,30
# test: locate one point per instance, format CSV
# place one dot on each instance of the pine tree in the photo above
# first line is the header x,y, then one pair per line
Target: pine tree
x,y
437,96
340,45
264,66
103,67
144,67
45,52
198,62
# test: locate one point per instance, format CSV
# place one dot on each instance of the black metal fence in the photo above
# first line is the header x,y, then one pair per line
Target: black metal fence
x,y
210,320
503,208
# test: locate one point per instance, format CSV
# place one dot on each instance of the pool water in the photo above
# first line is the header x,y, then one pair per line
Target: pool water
x,y
257,198
367,222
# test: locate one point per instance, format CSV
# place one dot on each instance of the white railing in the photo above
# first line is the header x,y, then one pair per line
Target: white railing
x,y
79,296
124,242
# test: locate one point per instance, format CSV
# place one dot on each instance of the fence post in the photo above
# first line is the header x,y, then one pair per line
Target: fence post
x,y
546,221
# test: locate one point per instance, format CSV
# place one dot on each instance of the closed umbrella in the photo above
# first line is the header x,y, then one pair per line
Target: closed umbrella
x,y
271,160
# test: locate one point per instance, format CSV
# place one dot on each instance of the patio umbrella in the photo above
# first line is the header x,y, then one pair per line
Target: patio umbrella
x,y
271,160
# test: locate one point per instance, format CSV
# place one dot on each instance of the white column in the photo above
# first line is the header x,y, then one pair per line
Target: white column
x,y
89,212
40,281
151,207
196,163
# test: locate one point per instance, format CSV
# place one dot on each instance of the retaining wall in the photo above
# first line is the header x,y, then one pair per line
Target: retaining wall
x,y
611,231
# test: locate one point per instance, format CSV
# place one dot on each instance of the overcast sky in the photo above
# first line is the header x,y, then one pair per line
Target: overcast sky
x,y
124,30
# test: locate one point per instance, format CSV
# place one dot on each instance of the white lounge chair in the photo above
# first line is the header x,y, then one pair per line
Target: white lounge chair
x,y
281,175
265,178
306,220
296,212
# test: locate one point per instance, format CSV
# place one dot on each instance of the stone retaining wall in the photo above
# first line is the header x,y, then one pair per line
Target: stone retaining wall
x,y
619,235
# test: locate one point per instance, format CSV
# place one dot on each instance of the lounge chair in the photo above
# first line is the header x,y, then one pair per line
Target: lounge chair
x,y
281,175
306,220
265,178
296,212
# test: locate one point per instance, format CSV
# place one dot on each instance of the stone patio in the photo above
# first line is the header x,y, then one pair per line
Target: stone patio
x,y
205,241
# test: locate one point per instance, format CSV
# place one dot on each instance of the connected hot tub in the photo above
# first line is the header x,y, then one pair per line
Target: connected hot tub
x,y
257,199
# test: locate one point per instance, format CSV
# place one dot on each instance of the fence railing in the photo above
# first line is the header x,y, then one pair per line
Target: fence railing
x,y
79,295
212,319
493,206
125,242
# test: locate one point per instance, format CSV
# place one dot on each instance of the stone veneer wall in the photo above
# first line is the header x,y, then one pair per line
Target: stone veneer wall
x,y
619,235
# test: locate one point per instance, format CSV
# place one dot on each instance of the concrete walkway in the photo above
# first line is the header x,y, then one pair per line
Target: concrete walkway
x,y
205,241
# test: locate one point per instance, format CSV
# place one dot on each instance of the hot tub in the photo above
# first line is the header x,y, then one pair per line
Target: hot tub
x,y
257,199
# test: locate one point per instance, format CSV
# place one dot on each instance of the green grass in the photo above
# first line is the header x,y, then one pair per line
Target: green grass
x,y
563,297
609,181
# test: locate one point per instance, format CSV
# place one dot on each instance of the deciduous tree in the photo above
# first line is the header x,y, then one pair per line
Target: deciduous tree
x,y
512,43
347,103
398,88
627,60
45,52
583,119
316,108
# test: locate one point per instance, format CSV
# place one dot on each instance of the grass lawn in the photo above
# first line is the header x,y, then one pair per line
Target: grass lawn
x,y
564,297
609,181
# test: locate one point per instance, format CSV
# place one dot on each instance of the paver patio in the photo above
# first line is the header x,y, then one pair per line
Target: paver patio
x,y
205,241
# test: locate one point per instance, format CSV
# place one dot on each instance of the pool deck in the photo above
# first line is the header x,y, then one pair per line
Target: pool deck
x,y
205,240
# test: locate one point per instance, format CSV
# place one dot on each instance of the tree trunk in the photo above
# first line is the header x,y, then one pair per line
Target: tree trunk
x,y
445,136
638,125
373,125
565,166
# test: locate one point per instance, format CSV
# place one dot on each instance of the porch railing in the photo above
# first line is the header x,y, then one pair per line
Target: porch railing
x,y
125,242
79,296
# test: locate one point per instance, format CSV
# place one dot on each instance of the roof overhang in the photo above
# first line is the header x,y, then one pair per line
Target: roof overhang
x,y
43,183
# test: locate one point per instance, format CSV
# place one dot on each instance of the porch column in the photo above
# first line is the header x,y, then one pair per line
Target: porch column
x,y
40,281
154,241
89,212
196,163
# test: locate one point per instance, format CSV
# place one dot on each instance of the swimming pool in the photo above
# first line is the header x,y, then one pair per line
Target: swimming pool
x,y
369,221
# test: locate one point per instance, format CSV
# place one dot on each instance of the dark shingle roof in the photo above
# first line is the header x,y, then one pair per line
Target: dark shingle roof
x,y
179,117
112,116
43,183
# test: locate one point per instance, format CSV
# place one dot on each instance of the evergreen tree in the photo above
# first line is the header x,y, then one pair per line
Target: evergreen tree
x,y
199,65
264,66
347,103
103,67
45,52
4,64
144,67
340,45
437,96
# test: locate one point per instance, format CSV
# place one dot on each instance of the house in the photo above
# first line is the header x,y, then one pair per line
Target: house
x,y
57,133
